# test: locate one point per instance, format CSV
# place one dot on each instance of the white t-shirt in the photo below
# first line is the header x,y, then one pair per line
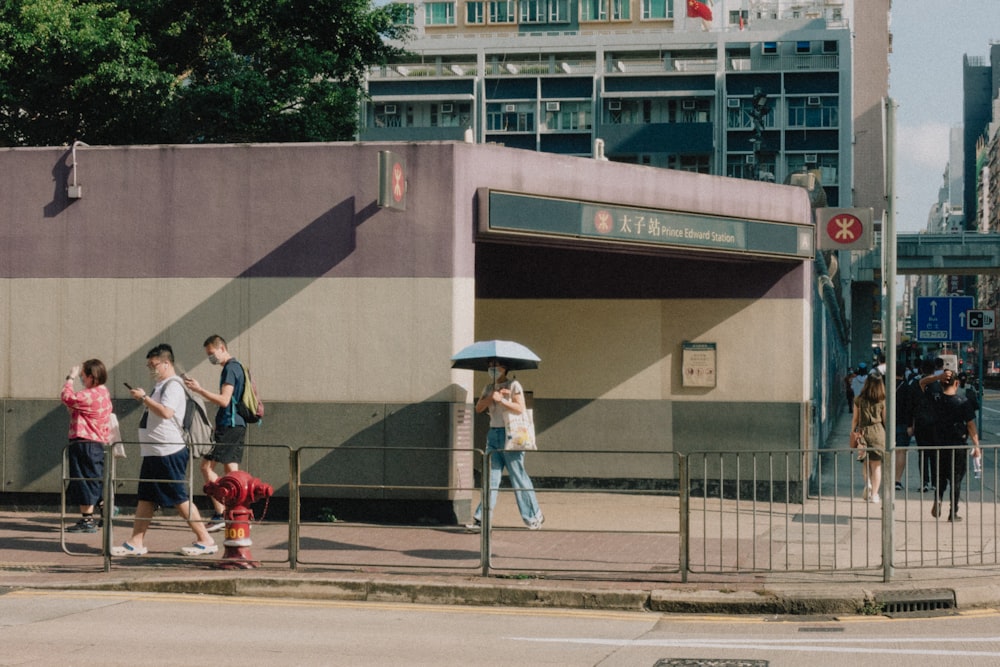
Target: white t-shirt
x,y
496,411
163,437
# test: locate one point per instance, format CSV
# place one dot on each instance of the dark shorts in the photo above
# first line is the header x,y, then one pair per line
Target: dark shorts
x,y
228,444
163,479
902,439
86,471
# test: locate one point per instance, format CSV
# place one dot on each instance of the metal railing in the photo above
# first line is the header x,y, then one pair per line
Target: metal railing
x,y
722,512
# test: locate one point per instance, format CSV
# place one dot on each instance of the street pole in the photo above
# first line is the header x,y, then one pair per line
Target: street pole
x,y
889,303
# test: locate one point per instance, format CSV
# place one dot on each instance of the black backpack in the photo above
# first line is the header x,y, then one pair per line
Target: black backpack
x,y
924,403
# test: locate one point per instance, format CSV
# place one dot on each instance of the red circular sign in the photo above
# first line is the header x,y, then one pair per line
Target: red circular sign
x,y
844,228
604,222
398,182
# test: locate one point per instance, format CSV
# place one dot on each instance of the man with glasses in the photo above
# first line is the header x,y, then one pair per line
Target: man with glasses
x,y
164,458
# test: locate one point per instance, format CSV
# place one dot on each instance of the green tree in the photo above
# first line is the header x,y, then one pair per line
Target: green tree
x,y
147,71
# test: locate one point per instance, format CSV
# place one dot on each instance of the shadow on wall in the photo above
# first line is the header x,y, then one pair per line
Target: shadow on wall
x,y
334,232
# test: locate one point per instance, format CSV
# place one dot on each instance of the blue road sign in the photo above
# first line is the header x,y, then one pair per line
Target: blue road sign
x,y
943,319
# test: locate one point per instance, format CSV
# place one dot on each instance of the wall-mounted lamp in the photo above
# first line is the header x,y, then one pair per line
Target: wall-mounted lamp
x,y
402,71
565,67
512,68
73,189
457,70
620,66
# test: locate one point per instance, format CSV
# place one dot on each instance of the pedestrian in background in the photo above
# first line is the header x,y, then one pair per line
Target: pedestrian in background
x,y
163,475
230,427
922,401
954,426
500,395
849,389
904,423
869,421
89,417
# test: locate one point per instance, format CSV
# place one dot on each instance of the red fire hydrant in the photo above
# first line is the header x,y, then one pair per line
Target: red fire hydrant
x,y
237,490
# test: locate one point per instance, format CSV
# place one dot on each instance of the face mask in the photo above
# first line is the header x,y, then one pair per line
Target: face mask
x,y
214,360
494,373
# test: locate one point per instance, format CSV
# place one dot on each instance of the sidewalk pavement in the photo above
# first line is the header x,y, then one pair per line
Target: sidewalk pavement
x,y
597,550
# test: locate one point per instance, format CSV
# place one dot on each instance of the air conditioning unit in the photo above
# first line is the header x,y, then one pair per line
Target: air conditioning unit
x,y
813,101
614,105
687,105
733,103
447,108
552,106
810,158
389,109
751,159
510,108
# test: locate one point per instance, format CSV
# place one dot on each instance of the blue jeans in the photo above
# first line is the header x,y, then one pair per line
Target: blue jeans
x,y
527,503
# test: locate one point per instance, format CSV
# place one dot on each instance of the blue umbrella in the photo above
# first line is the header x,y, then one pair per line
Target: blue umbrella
x,y
476,357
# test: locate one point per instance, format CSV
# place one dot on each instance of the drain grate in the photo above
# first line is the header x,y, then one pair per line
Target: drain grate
x,y
917,603
710,662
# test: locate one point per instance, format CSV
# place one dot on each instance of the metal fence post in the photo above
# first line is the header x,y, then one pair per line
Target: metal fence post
x,y
294,509
684,541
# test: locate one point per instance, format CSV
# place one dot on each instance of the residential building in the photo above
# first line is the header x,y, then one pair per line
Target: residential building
x,y
765,89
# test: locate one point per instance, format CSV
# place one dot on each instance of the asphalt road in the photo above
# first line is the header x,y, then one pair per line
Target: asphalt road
x,y
87,628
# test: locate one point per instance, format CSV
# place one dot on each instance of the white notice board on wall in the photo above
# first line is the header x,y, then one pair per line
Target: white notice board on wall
x,y
698,364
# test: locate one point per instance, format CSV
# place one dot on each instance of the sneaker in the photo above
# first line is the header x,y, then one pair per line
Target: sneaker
x,y
198,549
475,525
899,486
215,524
867,492
85,525
936,509
954,517
127,549
874,498
927,487
536,523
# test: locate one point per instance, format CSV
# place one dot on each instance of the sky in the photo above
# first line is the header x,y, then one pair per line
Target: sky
x,y
929,40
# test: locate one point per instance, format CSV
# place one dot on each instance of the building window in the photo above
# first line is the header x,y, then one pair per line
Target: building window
x,y
405,14
739,114
827,164
813,111
699,164
510,117
389,115
830,46
502,11
559,11
621,10
475,13
449,114
593,10
532,11
769,48
690,111
440,13
803,47
568,116
631,112
657,9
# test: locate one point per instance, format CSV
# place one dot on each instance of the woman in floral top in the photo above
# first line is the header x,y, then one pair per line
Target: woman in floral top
x,y
89,415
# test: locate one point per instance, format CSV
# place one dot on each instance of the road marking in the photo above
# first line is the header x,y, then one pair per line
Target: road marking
x,y
833,645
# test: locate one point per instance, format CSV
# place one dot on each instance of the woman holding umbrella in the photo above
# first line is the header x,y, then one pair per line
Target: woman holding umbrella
x,y
500,395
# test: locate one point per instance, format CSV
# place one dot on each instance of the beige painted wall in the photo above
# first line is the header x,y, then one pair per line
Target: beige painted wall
x,y
630,349
326,339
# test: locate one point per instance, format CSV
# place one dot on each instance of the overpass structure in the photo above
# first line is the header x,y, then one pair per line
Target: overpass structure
x,y
962,253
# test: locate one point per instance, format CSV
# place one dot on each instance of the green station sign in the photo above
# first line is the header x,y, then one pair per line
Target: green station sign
x,y
575,222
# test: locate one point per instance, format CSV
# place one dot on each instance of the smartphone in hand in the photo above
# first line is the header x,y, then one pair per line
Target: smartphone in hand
x,y
127,386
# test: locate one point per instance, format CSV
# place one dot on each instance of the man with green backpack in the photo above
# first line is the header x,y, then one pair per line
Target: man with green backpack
x,y
230,422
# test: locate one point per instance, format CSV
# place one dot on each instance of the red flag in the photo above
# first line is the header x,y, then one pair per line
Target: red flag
x,y
699,10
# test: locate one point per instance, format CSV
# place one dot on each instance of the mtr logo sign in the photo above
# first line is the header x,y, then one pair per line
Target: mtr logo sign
x,y
844,229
